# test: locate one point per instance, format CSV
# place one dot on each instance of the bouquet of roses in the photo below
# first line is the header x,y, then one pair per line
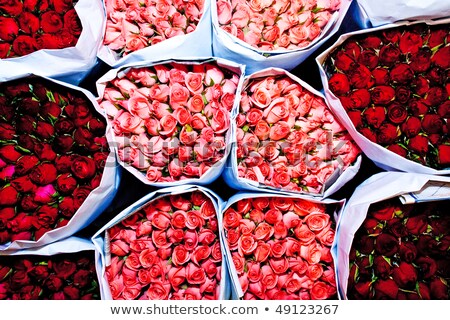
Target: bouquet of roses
x,y
60,271
390,247
392,86
286,137
171,121
279,247
166,246
53,152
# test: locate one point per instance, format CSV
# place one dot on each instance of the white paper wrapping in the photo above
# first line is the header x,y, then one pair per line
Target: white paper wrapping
x,y
99,238
382,157
232,48
379,187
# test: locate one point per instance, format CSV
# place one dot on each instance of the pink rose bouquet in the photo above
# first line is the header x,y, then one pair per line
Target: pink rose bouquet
x,y
279,247
171,120
286,136
166,246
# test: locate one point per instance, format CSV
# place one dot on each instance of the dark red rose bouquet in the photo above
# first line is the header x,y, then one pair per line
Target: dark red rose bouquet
x,y
394,85
30,25
53,151
401,252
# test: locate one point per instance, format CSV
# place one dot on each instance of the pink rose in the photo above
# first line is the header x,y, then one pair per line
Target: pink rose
x,y
220,121
175,168
176,276
279,265
194,274
213,75
276,111
279,130
168,125
180,255
246,244
316,221
153,174
182,116
194,82
196,103
253,116
162,72
159,92
188,136
190,239
262,251
261,98
311,253
262,130
119,248
179,95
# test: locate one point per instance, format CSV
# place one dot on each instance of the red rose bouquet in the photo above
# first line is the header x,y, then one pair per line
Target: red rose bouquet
x,y
52,272
171,121
287,138
394,87
279,247
166,246
53,152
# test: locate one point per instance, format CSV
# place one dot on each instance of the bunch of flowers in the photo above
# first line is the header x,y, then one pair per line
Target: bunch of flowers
x,y
52,155
132,24
276,24
287,138
171,121
59,277
167,250
280,248
30,25
401,252
394,85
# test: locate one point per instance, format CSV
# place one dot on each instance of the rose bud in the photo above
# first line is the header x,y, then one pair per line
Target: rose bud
x,y
100,159
371,41
369,134
444,155
44,130
436,96
339,84
67,207
8,196
43,174
421,61
64,125
342,61
401,73
402,94
97,126
420,85
424,291
411,127
385,289
21,222
24,235
419,144
7,131
397,228
408,252
23,184
386,245
398,150
64,163
28,204
389,55
366,244
426,245
438,289
80,110
381,76
8,28
440,58
44,194
80,194
5,236
63,144
368,58
432,123
7,172
83,167
417,225
382,267
410,42
7,110
44,152
26,141
405,275
388,133
375,116
9,154
436,75
382,95
51,22
50,110
435,138
360,77
444,109
360,98
427,266
83,137
352,48
66,183
437,37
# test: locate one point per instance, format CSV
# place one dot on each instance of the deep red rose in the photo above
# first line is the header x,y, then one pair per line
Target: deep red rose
x,y
360,98
53,283
21,222
8,196
81,278
419,144
44,130
79,110
28,22
29,106
435,138
79,195
25,164
421,61
97,126
46,216
389,55
436,76
44,151
66,39
402,94
66,183
43,174
438,289
366,244
386,245
5,236
7,131
64,163
8,29
364,265
381,267
397,113
397,228
5,50
398,150
71,292
67,207
51,22
382,211
387,134
427,266
342,61
392,35
64,268
19,278
369,134
437,37
402,73
64,125
405,275
444,155
385,289
444,109
381,76
356,118
83,137
360,77
23,184
420,85
432,123
426,244
100,159
382,94
17,89
362,289
436,96
352,49
339,84
62,6
375,116
83,167
24,45
369,59
372,226
26,141
9,154
63,144
410,42
411,127
47,41
408,251
7,213
440,58
50,109
28,204
371,41
346,102
4,271
72,22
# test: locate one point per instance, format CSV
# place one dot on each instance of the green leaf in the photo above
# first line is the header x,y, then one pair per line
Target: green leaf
x,y
43,263
20,148
245,128
169,261
370,260
50,96
188,128
205,101
196,207
388,260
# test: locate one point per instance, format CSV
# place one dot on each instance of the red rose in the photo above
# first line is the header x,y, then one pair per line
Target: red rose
x,y
44,152
371,41
50,109
408,252
72,293
438,289
444,155
397,228
352,48
79,110
72,22
360,76
80,194
375,116
411,127
440,58
386,245
398,150
362,290
66,39
397,113
28,203
387,134
64,125
63,144
426,245
381,267
410,42
26,141
47,41
421,61
432,123
339,84
427,266
62,6
401,73
436,75
11,7
44,130
29,106
19,278
402,94
63,268
444,109
8,29
385,289
23,184
366,244
43,174
100,159
83,167
420,85
9,154
389,55
24,45
8,196
369,134
418,107
28,22
97,126
46,216
436,96
419,144
66,183
5,50
382,94
382,211
381,76
405,275
369,59
67,207
360,98
64,163
342,61
356,118
51,22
